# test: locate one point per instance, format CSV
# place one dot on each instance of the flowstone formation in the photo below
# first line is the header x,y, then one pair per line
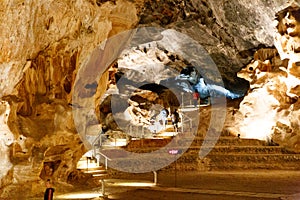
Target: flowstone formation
x,y
7,138
43,44
270,110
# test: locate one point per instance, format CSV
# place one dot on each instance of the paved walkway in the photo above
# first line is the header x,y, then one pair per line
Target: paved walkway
x,y
219,192
241,185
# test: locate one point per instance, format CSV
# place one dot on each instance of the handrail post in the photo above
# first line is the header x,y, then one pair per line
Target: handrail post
x,y
130,129
143,131
182,122
182,99
98,159
155,177
94,150
100,140
105,163
102,187
87,164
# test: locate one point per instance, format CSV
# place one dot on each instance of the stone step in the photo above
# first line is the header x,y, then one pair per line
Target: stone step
x,y
207,166
94,171
228,153
85,163
193,151
100,175
226,158
227,141
250,161
254,166
99,172
197,141
159,142
191,161
217,150
220,149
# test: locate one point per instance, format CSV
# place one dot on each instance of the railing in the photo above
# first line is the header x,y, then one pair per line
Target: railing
x,y
106,159
137,130
185,118
98,139
186,101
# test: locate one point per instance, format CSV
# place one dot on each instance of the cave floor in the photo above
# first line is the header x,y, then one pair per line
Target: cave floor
x,y
214,185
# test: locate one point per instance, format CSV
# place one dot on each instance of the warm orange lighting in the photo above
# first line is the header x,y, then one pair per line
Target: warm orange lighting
x,y
117,142
259,122
167,134
79,195
133,184
85,163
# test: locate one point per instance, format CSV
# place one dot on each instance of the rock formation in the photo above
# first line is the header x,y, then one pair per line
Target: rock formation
x,y
43,45
46,45
270,109
7,138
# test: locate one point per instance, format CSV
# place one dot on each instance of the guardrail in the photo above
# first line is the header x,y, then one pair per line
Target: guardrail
x,y
185,118
137,130
105,161
186,99
98,140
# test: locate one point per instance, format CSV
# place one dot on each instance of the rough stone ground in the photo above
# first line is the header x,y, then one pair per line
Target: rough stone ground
x,y
217,185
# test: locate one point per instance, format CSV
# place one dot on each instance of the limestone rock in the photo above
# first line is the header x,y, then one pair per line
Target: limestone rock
x,y
46,45
7,139
270,109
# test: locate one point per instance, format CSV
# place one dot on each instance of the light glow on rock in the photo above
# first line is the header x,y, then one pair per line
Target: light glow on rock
x,y
258,123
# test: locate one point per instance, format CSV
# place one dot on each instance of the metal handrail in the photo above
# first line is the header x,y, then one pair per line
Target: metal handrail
x,y
106,159
188,119
99,139
142,129
186,101
94,144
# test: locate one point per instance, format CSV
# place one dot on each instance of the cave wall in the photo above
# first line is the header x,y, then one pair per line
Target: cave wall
x,y
44,43
231,31
272,103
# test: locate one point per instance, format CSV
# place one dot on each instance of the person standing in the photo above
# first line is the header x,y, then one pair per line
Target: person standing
x,y
196,98
175,120
48,195
164,113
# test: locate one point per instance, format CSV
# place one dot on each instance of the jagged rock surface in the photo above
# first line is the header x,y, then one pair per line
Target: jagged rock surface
x,y
272,103
44,43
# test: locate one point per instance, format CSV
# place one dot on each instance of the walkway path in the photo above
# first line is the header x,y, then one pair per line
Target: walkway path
x,y
217,185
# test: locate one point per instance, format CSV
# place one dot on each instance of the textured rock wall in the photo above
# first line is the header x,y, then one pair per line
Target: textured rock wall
x,y
35,28
231,31
270,110
43,44
6,139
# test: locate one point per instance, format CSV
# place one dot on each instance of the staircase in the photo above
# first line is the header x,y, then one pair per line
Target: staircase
x,y
223,153
229,153
238,154
90,165
94,162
